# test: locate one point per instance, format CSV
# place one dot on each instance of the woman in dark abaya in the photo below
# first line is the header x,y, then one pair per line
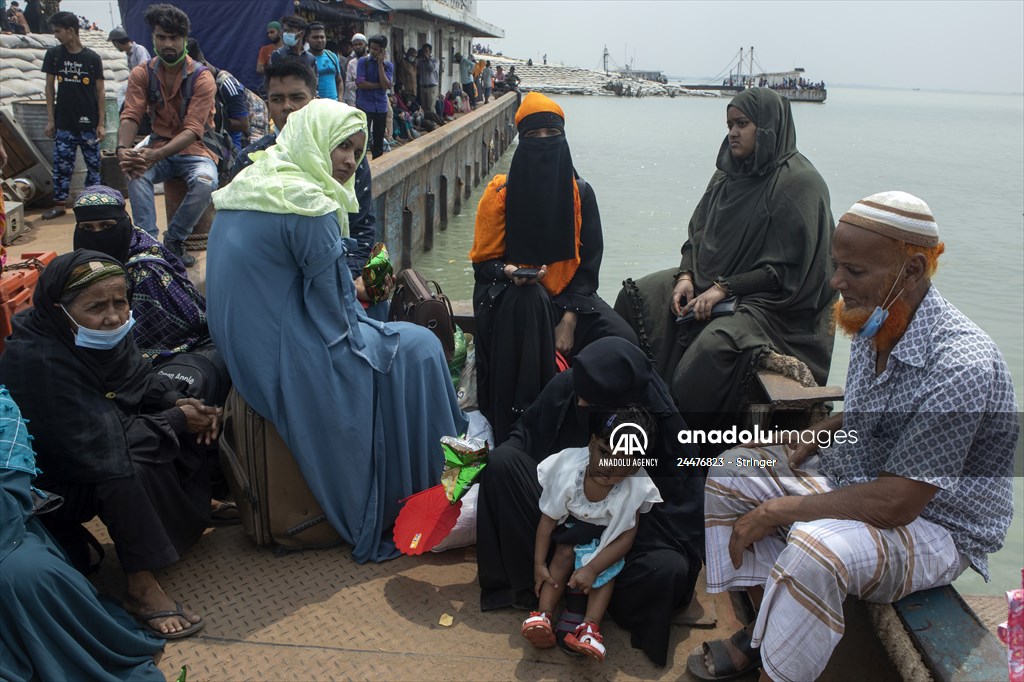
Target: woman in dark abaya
x,y
662,567
762,232
110,433
541,216
53,625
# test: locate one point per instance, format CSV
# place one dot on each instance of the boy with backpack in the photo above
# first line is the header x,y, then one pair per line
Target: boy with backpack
x,y
181,107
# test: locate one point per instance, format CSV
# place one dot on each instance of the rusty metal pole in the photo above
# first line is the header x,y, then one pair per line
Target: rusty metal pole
x,y
406,238
428,222
444,202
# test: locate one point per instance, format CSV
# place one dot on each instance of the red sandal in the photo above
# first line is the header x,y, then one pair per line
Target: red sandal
x,y
537,629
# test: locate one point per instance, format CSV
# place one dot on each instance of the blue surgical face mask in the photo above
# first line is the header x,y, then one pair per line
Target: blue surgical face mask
x,y
98,339
880,314
290,39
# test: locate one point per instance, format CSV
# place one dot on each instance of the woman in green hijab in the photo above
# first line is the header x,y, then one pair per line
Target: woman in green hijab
x,y
762,232
360,404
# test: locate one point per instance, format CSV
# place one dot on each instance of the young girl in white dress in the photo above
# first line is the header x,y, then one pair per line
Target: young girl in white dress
x,y
590,505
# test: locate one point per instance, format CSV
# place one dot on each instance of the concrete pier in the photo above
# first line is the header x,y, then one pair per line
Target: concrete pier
x,y
417,186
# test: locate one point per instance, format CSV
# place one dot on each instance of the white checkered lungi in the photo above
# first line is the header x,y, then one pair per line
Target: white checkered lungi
x,y
807,570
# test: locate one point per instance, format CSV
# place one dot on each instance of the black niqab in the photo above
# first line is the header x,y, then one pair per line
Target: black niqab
x,y
540,211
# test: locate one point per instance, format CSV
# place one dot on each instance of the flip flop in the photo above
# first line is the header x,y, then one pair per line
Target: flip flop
x,y
724,668
55,212
144,618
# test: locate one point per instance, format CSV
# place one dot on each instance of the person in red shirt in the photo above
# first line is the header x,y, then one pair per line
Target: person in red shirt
x,y
175,148
274,36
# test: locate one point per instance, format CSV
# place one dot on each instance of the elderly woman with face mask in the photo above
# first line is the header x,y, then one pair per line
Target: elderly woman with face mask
x,y
169,312
111,434
361,404
761,232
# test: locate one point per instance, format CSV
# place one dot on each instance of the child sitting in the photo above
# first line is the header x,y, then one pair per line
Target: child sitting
x,y
590,505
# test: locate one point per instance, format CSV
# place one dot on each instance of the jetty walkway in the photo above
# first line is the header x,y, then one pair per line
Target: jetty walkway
x,y
318,615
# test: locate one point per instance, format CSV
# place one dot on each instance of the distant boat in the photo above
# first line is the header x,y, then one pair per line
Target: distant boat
x,y
793,84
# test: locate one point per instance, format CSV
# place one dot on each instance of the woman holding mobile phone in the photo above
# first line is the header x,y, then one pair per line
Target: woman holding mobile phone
x,y
536,256
762,232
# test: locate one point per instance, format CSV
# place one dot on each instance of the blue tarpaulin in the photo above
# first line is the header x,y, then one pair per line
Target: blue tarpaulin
x,y
231,32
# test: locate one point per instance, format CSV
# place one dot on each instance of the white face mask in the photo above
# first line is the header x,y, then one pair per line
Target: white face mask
x,y
98,339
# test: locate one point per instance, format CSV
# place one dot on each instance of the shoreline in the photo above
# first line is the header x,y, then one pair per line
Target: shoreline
x,y
555,79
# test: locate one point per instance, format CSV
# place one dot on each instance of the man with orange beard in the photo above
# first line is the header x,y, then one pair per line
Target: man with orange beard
x,y
912,483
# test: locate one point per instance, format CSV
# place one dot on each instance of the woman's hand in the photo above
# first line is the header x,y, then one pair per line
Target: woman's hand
x,y
681,295
520,281
582,579
542,575
565,333
702,305
203,420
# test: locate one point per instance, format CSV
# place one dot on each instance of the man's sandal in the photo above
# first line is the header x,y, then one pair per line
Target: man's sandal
x,y
724,667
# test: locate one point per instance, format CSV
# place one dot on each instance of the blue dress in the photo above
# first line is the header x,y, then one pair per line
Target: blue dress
x,y
361,404
53,625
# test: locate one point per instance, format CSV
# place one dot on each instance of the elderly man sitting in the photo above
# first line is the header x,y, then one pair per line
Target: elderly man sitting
x,y
916,485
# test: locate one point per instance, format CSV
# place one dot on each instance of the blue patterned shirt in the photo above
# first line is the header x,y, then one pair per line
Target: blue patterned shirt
x,y
943,412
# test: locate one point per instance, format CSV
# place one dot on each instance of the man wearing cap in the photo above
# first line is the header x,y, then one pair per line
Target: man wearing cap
x,y
137,54
358,51
903,491
274,36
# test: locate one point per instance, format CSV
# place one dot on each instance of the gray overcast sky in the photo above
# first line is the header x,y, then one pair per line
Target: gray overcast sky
x,y
960,45
954,45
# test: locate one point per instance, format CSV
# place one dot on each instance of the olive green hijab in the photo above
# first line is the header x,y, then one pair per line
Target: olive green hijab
x,y
770,209
294,175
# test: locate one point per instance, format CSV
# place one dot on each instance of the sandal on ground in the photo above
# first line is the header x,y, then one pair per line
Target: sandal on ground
x,y
537,629
224,514
179,611
55,212
567,624
587,640
724,667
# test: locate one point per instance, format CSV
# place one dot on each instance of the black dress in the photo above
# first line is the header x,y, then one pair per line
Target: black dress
x,y
515,340
107,434
662,567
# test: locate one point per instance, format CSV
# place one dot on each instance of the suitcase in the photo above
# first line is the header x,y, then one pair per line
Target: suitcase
x,y
274,502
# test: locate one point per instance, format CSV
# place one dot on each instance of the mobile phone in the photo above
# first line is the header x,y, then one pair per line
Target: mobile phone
x,y
526,273
726,306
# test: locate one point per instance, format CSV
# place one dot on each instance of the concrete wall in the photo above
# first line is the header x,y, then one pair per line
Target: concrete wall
x,y
417,186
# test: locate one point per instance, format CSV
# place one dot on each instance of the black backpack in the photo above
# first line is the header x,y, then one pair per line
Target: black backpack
x,y
217,140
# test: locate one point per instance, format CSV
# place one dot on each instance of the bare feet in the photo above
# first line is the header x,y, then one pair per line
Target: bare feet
x,y
146,596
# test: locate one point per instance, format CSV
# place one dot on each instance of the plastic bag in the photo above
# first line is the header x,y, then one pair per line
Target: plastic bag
x,y
459,356
466,389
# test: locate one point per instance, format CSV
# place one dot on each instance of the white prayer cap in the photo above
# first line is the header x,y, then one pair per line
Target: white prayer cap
x,y
897,215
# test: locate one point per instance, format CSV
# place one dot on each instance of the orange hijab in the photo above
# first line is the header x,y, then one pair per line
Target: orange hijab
x,y
489,235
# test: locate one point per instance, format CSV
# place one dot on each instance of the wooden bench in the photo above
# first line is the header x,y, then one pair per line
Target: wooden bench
x,y
949,636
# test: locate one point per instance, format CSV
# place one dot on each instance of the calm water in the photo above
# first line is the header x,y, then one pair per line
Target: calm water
x,y
649,161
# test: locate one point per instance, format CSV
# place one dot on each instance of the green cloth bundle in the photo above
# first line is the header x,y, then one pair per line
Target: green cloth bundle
x,y
464,459
376,273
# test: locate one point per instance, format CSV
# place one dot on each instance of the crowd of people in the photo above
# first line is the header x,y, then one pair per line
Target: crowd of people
x,y
400,98
570,527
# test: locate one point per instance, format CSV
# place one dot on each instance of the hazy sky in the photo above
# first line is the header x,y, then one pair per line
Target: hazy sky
x,y
962,45
966,45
